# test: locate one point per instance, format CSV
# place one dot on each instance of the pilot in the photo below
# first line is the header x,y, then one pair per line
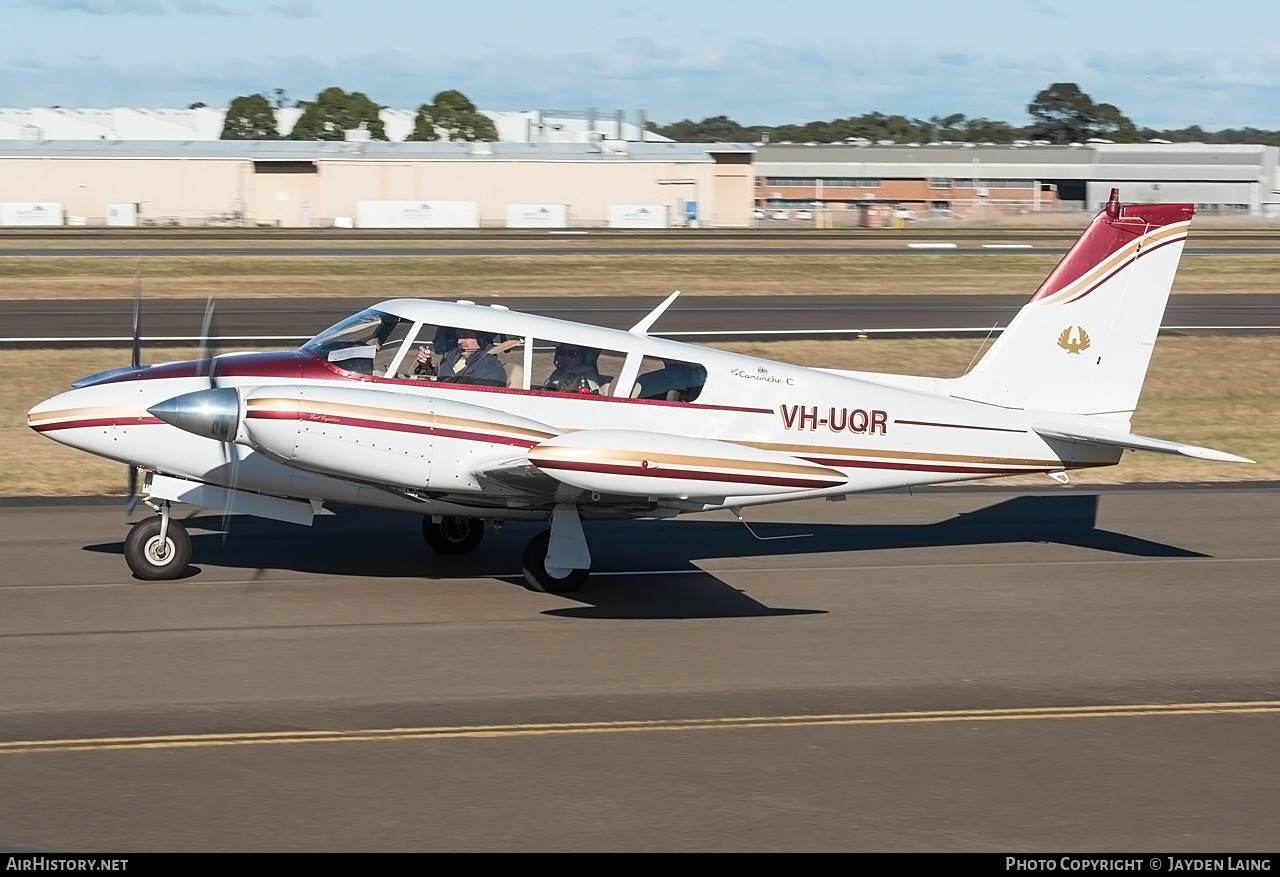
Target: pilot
x,y
470,362
444,341
575,371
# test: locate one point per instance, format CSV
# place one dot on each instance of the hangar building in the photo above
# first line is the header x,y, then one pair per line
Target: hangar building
x,y
359,183
980,181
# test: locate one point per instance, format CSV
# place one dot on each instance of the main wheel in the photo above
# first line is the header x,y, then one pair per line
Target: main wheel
x,y
453,535
153,560
534,565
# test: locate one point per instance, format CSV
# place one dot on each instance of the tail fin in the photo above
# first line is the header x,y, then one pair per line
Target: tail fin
x,y
1082,344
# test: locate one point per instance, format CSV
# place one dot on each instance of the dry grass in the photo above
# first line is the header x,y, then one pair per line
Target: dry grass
x,y
1219,392
560,274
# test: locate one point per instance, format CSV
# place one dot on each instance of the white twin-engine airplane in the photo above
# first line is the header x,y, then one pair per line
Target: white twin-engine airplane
x,y
464,413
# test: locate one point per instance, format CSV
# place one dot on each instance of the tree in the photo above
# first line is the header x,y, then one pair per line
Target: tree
x,y
452,116
713,129
1063,113
982,130
250,118
333,113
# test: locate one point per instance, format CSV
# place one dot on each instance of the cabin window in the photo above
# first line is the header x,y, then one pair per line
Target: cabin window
x,y
432,355
567,367
669,380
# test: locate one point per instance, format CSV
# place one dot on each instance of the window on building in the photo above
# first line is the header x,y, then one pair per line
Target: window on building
x,y
851,182
793,181
284,167
995,184
939,183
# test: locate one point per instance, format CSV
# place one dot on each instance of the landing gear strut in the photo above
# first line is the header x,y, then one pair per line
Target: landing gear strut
x,y
158,548
557,561
453,535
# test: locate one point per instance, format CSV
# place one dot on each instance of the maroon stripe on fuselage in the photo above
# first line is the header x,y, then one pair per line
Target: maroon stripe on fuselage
x,y
390,426
665,472
915,467
91,422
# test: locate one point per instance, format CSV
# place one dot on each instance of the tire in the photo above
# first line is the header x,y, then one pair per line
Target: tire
x,y
453,535
535,570
143,553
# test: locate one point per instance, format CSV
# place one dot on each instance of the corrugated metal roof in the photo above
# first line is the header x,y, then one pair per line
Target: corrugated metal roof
x,y
1181,161
295,150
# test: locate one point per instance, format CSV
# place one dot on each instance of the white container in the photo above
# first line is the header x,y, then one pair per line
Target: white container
x,y
417,214
638,216
31,213
122,214
537,216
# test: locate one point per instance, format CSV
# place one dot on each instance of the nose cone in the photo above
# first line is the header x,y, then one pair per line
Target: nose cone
x,y
213,414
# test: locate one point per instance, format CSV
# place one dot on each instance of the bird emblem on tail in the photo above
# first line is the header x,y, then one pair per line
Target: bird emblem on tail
x,y
1081,342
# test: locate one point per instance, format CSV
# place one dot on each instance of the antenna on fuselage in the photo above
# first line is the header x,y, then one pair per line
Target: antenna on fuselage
x,y
642,327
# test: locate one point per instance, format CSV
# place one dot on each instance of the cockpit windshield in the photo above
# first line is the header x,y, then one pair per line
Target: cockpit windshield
x,y
354,343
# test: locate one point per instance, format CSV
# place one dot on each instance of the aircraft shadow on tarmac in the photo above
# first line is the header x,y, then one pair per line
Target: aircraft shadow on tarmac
x,y
375,543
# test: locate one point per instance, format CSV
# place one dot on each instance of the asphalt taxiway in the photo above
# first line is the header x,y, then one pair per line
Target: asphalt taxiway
x,y
955,670
288,321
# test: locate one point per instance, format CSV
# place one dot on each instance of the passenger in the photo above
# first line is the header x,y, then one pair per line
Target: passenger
x,y
575,371
470,362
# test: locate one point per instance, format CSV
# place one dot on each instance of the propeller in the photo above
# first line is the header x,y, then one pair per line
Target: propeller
x,y
209,360
135,360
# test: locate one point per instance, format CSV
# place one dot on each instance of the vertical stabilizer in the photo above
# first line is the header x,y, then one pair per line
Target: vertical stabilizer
x,y
1082,344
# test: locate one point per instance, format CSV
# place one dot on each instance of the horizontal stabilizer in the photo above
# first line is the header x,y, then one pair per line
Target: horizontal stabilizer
x,y
1074,432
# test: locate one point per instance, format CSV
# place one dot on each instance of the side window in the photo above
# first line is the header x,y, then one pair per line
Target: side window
x,y
669,380
390,348
438,353
567,367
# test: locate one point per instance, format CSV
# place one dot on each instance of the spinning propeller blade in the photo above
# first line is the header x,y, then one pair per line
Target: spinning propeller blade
x,y
136,358
209,358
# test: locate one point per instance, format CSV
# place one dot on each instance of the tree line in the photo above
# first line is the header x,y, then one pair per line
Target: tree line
x,y
1061,113
449,116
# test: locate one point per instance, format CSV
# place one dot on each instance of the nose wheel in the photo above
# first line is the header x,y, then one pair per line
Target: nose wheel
x,y
158,548
453,535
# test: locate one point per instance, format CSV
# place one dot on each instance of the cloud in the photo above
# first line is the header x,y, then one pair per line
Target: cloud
x,y
201,7
294,9
131,7
101,7
753,81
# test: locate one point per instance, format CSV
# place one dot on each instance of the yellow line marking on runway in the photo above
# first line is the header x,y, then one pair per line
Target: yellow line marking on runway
x,y
566,728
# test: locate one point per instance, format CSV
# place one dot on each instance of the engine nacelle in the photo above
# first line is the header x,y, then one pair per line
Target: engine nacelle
x,y
398,439
635,463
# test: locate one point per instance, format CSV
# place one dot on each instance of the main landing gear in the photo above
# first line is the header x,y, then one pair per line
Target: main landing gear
x,y
556,561
158,548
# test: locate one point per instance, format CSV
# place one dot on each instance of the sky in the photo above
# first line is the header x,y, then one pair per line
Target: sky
x,y
1165,65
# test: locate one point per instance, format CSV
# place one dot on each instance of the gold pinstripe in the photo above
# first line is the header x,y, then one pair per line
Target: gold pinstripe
x,y
1115,260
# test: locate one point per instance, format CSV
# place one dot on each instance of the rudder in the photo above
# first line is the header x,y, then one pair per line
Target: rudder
x,y
1083,342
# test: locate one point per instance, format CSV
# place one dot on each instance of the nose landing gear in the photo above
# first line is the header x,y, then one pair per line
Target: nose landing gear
x,y
158,548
